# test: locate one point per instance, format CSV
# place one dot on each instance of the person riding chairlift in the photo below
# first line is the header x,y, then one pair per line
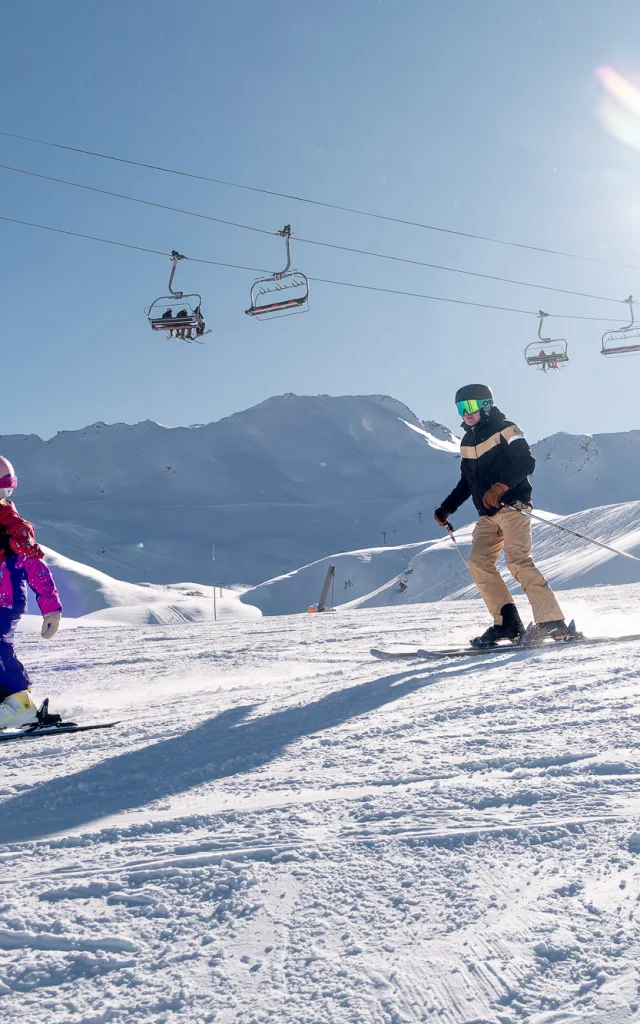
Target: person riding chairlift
x,y
182,314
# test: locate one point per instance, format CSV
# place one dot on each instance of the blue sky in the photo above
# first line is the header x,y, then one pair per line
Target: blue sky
x,y
478,117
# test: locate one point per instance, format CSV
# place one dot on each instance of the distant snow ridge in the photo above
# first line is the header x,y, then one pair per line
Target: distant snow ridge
x,y
274,486
433,570
579,471
437,436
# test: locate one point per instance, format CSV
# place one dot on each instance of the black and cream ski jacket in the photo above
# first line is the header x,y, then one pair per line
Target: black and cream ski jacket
x,y
494,451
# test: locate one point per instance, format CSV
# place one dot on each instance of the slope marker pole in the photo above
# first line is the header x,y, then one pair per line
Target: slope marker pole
x,y
215,607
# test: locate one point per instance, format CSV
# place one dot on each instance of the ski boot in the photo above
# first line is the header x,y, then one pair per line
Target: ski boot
x,y
556,630
18,710
510,628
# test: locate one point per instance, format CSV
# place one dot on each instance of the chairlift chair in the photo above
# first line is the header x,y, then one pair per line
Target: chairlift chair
x,y
552,353
293,282
624,340
163,312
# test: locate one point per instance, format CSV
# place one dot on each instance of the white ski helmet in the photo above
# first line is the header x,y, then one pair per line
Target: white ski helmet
x,y
8,478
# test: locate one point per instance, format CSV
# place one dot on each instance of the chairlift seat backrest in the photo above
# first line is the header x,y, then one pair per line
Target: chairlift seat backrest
x,y
278,283
159,322
614,343
552,352
619,343
549,357
284,280
620,350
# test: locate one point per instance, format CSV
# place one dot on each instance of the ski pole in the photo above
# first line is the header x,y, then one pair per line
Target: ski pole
x,y
451,532
574,533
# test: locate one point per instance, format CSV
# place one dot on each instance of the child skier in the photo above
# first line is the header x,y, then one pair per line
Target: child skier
x,y
21,563
496,463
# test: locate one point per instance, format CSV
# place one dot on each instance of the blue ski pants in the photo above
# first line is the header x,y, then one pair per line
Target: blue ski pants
x,y
13,675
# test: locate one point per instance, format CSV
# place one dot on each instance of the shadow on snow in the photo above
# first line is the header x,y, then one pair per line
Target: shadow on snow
x,y
229,744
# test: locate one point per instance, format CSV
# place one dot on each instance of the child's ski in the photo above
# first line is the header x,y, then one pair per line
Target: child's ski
x,y
55,730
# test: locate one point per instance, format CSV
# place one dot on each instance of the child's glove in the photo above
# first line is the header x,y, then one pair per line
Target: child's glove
x,y
50,624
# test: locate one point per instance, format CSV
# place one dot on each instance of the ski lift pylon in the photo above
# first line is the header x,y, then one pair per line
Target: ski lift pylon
x,y
552,353
185,324
623,340
292,281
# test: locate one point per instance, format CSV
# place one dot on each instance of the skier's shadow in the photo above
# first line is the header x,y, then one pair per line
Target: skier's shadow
x,y
218,748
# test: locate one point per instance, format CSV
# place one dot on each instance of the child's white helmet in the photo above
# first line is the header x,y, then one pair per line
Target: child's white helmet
x,y
8,478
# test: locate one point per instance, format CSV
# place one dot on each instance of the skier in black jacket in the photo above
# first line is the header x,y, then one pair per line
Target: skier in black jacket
x,y
495,468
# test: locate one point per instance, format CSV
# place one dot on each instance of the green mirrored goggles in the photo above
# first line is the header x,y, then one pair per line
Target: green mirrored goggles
x,y
472,405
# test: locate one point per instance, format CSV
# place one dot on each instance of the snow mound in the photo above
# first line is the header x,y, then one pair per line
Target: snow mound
x,y
91,596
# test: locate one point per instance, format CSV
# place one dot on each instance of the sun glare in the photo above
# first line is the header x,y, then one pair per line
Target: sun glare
x,y
619,109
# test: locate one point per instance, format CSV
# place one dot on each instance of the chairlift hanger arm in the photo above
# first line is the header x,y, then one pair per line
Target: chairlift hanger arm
x,y
541,317
286,234
175,256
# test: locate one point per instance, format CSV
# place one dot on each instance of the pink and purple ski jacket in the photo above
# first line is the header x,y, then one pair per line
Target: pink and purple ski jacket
x,y
22,563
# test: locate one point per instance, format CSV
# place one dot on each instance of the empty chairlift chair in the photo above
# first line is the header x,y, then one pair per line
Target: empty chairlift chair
x,y
178,315
624,340
547,353
291,287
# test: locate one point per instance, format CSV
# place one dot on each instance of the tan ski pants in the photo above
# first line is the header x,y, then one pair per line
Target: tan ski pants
x,y
512,530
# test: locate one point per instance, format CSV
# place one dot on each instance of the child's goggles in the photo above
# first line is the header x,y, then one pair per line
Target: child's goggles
x,y
471,405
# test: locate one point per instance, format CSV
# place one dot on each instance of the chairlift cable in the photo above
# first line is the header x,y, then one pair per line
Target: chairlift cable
x,y
317,202
311,241
460,302
128,245
136,199
319,280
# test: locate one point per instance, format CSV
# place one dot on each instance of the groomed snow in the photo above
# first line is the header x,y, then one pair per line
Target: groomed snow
x,y
286,830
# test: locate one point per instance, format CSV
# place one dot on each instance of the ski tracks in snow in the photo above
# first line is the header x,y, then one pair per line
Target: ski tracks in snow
x,y
285,830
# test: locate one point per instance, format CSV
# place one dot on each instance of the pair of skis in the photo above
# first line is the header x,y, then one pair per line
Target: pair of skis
x,y
503,648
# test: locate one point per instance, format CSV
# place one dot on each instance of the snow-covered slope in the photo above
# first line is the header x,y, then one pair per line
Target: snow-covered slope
x,y
434,571
275,486
88,594
285,831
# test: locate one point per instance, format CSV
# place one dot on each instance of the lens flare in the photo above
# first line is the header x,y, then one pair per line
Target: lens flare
x,y
620,87
619,109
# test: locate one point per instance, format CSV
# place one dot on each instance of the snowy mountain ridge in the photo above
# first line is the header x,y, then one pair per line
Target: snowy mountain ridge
x,y
276,486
